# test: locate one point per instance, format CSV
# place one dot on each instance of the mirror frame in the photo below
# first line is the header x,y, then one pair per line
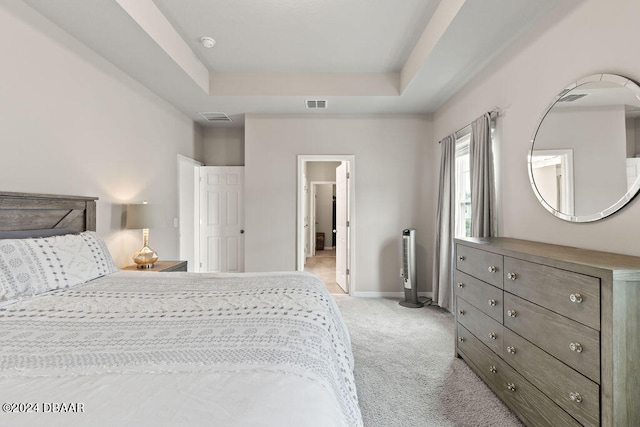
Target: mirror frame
x,y
631,192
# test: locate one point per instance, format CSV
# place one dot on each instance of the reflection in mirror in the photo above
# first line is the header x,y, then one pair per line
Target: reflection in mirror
x,y
584,161
553,173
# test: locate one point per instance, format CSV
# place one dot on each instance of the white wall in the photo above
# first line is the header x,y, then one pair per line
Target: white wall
x,y
390,184
74,124
590,39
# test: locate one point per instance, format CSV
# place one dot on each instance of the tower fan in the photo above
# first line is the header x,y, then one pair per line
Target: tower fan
x,y
408,272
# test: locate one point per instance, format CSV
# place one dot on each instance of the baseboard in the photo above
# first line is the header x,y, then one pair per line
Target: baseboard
x,y
388,294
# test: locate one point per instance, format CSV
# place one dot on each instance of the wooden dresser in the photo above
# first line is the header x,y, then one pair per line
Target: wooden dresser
x,y
553,330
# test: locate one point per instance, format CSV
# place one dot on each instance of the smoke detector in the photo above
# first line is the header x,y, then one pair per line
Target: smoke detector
x,y
207,42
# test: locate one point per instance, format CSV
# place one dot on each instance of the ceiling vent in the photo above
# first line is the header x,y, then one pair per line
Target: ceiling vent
x,y
215,117
571,98
316,103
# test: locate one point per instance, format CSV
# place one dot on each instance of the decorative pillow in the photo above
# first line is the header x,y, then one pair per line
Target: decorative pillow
x,y
33,266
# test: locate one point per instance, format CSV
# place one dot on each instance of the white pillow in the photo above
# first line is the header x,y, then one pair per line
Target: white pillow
x,y
34,266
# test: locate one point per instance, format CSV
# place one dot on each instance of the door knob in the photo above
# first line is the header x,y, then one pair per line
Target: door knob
x,y
242,231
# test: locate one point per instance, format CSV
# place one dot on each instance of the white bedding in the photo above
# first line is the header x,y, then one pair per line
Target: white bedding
x,y
191,349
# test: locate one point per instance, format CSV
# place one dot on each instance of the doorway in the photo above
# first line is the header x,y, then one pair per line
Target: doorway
x,y
188,215
322,227
211,216
321,259
552,171
344,177
221,225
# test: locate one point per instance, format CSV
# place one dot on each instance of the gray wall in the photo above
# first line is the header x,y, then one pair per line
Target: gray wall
x,y
590,39
223,146
390,182
74,124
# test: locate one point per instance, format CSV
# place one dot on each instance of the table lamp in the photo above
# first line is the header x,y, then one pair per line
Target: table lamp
x,y
144,216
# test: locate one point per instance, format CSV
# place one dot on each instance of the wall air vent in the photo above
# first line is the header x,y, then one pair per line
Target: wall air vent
x,y
316,103
215,117
571,98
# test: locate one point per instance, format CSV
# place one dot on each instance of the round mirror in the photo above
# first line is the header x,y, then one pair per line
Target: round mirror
x,y
584,162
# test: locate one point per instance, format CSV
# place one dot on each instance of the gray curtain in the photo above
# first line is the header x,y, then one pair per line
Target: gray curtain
x,y
445,227
482,181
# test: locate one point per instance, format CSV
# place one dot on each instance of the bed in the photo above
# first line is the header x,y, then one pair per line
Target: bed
x,y
83,343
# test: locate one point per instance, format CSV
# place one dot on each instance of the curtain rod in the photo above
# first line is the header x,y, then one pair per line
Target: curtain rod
x,y
493,113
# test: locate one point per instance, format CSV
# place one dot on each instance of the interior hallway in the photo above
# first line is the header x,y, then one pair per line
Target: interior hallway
x,y
324,266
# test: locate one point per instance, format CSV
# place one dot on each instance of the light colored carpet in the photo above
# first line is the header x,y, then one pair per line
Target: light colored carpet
x,y
406,372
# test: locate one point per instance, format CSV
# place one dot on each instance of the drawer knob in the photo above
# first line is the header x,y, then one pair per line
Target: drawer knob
x,y
512,276
492,302
511,387
511,350
575,397
460,285
461,258
492,335
577,298
461,312
512,313
461,339
493,269
576,346
493,369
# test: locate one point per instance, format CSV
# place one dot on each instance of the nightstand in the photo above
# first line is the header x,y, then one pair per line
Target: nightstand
x,y
161,266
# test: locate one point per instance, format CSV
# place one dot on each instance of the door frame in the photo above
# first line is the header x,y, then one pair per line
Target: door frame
x,y
300,231
188,211
312,212
564,158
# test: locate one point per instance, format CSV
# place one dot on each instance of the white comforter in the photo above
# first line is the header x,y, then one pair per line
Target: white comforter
x,y
179,349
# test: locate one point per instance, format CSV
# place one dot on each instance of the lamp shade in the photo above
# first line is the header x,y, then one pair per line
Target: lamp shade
x,y
142,216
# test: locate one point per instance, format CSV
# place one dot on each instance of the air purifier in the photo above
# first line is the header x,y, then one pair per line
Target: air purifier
x,y
408,271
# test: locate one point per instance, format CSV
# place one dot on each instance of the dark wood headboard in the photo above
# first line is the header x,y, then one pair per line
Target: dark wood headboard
x,y
28,211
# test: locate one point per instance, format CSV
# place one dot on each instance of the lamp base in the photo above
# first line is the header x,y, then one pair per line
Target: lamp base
x,y
145,257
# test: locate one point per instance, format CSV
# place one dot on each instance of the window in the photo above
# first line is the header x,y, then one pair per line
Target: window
x,y
463,187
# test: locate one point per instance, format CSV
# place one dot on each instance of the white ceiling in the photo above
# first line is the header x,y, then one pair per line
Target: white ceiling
x,y
311,36
362,56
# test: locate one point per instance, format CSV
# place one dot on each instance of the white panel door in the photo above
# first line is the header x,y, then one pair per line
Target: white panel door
x,y
342,226
222,219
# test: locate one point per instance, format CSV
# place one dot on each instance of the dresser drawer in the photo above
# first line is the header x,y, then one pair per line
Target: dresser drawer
x,y
573,343
575,393
574,295
482,326
484,361
531,404
482,295
484,265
